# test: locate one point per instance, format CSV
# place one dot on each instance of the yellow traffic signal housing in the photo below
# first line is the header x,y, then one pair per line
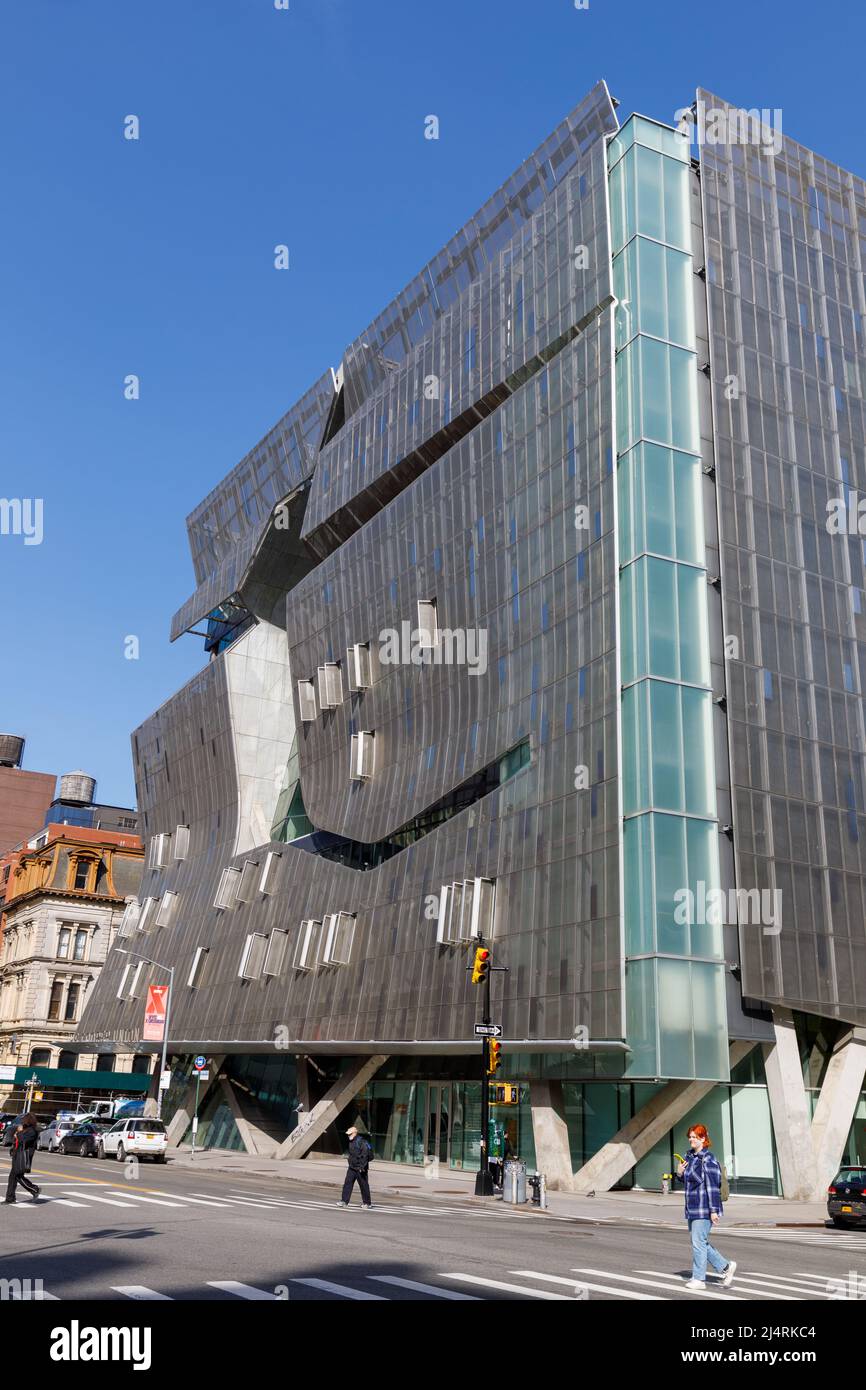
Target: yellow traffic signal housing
x,y
494,1060
503,1093
481,965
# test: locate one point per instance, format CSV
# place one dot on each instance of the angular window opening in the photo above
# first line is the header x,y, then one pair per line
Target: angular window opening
x,y
227,889
358,666
253,956
339,932
307,944
307,708
277,953
330,685
363,754
199,960
428,628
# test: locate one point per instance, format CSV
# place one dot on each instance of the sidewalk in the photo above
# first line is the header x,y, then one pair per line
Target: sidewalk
x,y
407,1181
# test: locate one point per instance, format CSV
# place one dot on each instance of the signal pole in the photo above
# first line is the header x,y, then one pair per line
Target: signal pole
x,y
483,1179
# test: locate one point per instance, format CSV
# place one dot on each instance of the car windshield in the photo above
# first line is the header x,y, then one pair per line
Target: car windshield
x,y
152,1126
851,1175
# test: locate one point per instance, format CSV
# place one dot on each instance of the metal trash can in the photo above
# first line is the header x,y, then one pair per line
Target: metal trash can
x,y
515,1181
667,1179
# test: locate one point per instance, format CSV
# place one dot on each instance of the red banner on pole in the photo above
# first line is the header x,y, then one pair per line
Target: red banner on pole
x,y
154,1013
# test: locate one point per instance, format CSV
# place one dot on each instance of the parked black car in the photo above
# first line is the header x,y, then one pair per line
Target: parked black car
x,y
846,1197
83,1138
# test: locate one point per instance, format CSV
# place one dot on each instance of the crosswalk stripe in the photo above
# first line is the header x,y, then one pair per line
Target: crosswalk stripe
x,y
578,1284
247,1291
198,1201
758,1292
140,1197
92,1197
238,1202
654,1284
509,1288
423,1288
342,1289
797,1281
40,1200
140,1292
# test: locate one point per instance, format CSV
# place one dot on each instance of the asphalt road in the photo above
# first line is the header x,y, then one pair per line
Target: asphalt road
x,y
99,1233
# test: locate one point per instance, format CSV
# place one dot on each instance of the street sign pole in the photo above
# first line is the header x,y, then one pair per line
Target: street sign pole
x,y
195,1112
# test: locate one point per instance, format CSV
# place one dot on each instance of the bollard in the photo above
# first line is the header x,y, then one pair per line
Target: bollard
x,y
542,1190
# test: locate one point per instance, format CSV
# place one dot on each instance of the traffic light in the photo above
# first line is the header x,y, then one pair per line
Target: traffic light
x,y
481,965
494,1061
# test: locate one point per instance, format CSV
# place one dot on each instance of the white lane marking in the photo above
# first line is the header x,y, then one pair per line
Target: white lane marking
x,y
243,1290
92,1197
509,1288
342,1289
756,1292
654,1284
140,1292
423,1288
578,1284
140,1197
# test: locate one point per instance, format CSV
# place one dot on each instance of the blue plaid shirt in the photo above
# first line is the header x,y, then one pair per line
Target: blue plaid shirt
x,y
703,1184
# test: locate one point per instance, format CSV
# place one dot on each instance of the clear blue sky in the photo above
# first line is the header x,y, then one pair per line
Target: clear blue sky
x,y
258,127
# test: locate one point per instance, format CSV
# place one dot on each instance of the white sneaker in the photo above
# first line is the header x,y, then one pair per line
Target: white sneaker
x,y
728,1276
697,1284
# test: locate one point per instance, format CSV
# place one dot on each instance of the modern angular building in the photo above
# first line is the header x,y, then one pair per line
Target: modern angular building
x,y
529,622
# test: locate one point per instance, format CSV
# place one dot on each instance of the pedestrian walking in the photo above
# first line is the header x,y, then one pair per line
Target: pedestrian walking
x,y
702,1176
360,1153
25,1138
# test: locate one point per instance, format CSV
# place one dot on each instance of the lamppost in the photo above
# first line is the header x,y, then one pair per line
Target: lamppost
x,y
170,971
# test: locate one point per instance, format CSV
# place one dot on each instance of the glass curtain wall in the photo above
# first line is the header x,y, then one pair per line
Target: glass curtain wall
x,y
675,1002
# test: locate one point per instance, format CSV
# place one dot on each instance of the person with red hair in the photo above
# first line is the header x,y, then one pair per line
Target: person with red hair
x,y
702,1177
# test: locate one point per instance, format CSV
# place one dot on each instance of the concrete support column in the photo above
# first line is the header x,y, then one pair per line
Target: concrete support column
x,y
620,1154
549,1128
789,1109
837,1103
302,1139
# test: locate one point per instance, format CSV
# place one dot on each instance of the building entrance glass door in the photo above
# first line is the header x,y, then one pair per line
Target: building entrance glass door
x,y
437,1143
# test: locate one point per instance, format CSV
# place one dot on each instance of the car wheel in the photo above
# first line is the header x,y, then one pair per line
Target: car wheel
x,y
100,1150
840,1224
61,1148
120,1154
159,1158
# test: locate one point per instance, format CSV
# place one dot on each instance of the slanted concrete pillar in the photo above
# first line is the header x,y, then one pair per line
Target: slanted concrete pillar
x,y
550,1130
661,1112
182,1117
313,1125
789,1109
837,1103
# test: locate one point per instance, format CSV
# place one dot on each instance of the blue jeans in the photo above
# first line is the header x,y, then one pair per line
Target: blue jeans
x,y
703,1251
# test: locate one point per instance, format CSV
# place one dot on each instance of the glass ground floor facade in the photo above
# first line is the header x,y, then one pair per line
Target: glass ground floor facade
x,y
420,1110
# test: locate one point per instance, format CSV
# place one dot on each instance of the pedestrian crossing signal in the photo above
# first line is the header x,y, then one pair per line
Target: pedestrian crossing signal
x,y
503,1093
480,966
494,1061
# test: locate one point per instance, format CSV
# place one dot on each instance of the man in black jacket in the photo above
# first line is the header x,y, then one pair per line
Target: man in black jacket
x,y
359,1161
25,1137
